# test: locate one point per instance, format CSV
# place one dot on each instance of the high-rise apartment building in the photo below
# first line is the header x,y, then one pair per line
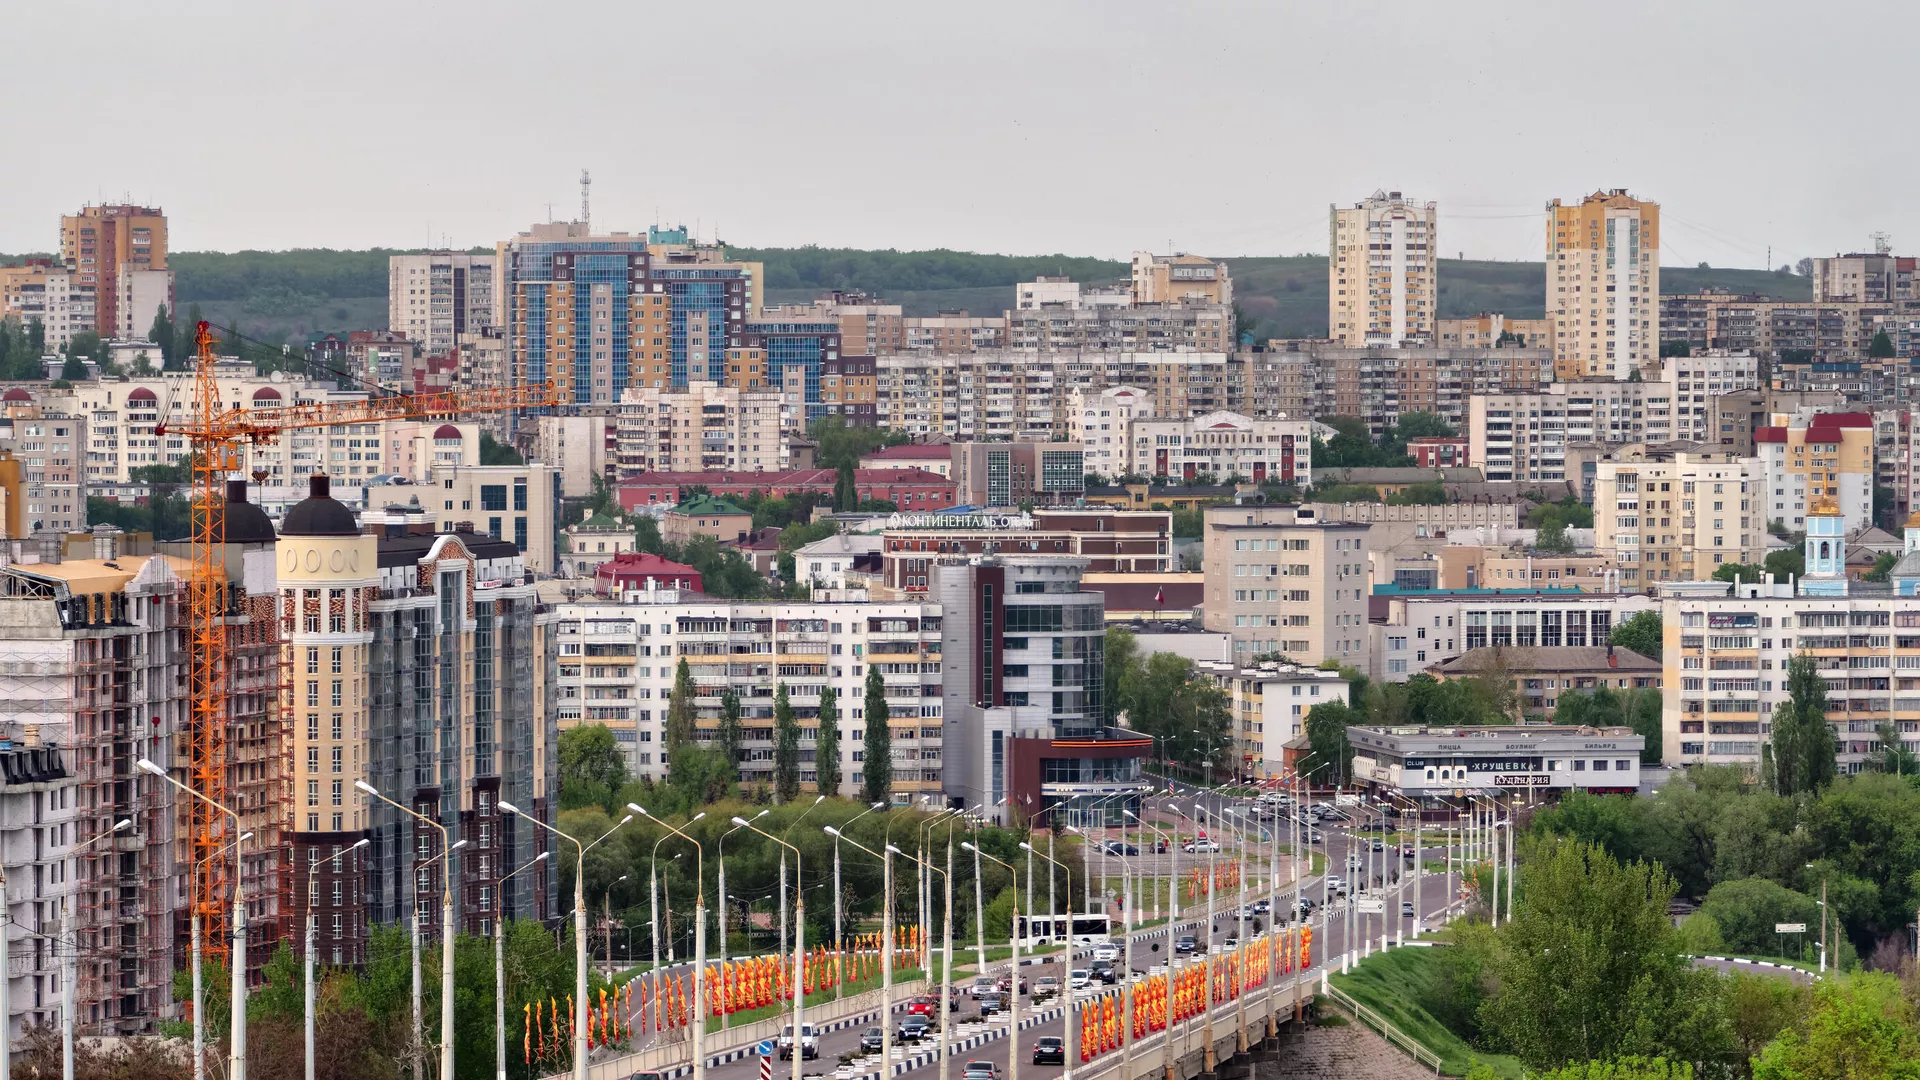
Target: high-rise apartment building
x,y
1282,581
1011,474
436,296
1099,420
1678,516
585,312
1603,284
102,247
40,290
1864,278
1382,272
51,447
1811,455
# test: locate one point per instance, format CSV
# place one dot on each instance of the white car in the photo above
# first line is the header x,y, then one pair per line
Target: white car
x,y
1201,847
1108,952
1335,883
1079,979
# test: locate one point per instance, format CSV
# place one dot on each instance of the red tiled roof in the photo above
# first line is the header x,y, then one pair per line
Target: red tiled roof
x,y
1770,434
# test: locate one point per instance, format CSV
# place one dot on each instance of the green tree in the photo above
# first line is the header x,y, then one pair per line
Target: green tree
x,y
493,452
826,753
1860,1027
646,534
1643,633
1624,1068
161,334
1803,750
786,748
74,369
1587,967
1569,512
1787,562
726,740
1882,566
592,766
1419,495
1893,754
1553,538
1122,659
1759,1008
1172,700
846,496
1747,572
681,709
36,338
1327,736
1747,910
877,749
1881,348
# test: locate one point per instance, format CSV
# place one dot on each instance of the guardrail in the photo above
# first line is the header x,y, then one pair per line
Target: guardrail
x,y
1412,1046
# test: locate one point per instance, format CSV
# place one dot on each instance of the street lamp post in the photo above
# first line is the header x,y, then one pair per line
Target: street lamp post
x,y
237,1036
723,904
500,972
446,926
71,946
606,918
925,875
839,928
199,993
946,982
1067,1053
886,949
799,942
313,932
699,940
783,883
579,932
1013,980
419,1030
1212,847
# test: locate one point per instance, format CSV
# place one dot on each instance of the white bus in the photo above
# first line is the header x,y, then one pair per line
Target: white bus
x,y
1085,929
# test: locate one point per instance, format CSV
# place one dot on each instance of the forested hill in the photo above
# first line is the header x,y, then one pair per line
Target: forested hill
x,y
285,295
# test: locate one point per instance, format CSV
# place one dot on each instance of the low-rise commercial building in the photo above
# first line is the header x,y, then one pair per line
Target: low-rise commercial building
x,y
1435,765
1540,674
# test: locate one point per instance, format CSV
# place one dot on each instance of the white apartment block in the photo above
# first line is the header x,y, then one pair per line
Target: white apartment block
x,y
1382,276
1065,292
705,426
52,295
1270,704
824,564
614,664
1677,517
1725,670
1280,580
142,293
1223,444
1523,436
436,297
1421,631
1099,420
578,446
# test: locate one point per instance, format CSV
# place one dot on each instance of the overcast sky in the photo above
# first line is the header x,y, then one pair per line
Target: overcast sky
x,y
1032,127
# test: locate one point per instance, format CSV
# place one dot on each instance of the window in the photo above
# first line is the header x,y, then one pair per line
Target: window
x,y
493,497
337,792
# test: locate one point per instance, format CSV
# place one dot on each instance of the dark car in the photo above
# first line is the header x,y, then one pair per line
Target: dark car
x,y
1050,1050
1186,944
1115,847
1103,970
913,1029
992,1003
871,1039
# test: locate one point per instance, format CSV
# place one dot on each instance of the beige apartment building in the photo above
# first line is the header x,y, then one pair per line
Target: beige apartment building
x,y
1382,277
1281,581
1678,516
435,297
1810,455
1008,394
705,426
1863,278
1489,330
514,503
1603,284
1177,279
43,290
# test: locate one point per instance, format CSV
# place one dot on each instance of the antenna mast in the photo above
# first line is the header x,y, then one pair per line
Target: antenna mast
x,y
586,218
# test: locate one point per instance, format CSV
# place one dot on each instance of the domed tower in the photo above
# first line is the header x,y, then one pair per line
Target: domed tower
x,y
1826,552
328,576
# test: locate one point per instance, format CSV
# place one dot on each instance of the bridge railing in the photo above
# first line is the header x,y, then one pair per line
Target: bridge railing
x,y
1412,1046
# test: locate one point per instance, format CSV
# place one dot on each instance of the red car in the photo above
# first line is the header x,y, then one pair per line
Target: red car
x,y
923,1006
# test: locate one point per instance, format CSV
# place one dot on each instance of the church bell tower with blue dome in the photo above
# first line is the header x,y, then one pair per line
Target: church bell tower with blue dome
x,y
1826,549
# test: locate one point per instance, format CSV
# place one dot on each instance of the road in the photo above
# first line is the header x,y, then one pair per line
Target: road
x,y
1150,949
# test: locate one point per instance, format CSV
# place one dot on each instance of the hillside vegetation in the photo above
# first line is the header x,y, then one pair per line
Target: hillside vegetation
x,y
287,295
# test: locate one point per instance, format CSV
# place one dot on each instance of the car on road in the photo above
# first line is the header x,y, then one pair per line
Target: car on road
x,y
1406,909
1116,847
1201,847
1050,1050
1261,907
992,1003
1079,979
977,1068
1314,836
1004,984
1379,845
872,1039
981,987
1185,945
924,1005
1336,884
1103,970
1107,951
913,1029
1045,986
809,1043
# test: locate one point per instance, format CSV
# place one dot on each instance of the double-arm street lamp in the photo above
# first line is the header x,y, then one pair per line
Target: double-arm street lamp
x,y
446,924
799,941
1013,968
886,948
579,931
699,938
237,1062
313,932
723,904
839,928
500,968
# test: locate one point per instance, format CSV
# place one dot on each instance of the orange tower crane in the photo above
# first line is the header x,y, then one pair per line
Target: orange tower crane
x,y
217,436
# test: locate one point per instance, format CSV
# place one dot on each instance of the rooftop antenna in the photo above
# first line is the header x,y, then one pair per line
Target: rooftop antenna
x,y
1882,243
586,218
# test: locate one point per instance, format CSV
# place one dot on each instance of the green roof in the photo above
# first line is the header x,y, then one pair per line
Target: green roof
x,y
601,521
708,505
